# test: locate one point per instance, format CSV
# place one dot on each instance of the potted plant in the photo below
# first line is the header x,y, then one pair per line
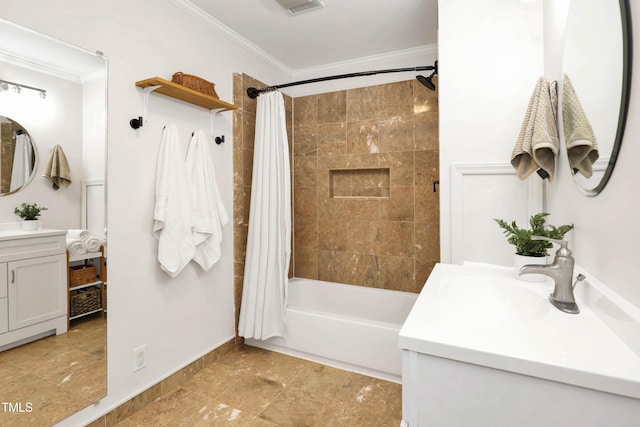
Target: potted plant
x,y
529,251
29,213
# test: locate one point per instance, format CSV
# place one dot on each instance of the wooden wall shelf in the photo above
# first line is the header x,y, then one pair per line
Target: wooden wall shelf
x,y
183,93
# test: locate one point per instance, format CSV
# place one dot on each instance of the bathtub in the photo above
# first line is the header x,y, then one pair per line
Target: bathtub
x,y
345,326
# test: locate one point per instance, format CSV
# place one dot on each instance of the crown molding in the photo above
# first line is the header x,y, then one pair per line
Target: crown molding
x,y
231,35
40,67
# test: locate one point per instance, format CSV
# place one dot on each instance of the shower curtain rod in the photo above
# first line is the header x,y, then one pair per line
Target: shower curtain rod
x,y
253,93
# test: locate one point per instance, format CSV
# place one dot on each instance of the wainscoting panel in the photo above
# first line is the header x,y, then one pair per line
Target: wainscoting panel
x,y
480,193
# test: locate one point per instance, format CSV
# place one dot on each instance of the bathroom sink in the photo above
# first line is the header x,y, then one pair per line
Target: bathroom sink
x,y
485,298
484,315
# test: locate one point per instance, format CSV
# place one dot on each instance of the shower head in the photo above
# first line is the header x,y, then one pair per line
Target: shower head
x,y
427,81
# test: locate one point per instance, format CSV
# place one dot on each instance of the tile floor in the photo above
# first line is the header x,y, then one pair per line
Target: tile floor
x,y
254,387
56,375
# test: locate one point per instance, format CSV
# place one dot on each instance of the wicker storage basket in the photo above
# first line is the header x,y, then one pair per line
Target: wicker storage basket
x,y
85,300
81,275
196,83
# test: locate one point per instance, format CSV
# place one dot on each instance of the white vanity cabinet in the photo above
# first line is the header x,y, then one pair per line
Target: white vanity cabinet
x,y
33,285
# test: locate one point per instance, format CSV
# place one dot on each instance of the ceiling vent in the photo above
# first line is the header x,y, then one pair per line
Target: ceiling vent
x,y
296,7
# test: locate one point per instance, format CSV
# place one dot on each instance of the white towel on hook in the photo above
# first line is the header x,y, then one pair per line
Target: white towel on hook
x,y
173,218
209,213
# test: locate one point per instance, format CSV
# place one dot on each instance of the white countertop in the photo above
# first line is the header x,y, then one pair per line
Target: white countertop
x,y
11,231
516,329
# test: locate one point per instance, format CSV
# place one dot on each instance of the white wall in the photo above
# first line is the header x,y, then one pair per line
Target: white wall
x,y
179,319
491,53
54,120
490,57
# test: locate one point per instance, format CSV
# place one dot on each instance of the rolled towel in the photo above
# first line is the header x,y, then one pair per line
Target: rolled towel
x,y
93,244
76,246
77,234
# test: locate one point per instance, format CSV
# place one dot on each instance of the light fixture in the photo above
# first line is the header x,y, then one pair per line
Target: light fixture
x,y
17,88
295,7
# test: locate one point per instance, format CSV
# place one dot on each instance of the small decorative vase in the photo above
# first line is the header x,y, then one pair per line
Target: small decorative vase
x,y
29,225
520,260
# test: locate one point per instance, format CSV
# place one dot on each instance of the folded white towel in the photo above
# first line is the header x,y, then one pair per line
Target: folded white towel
x,y
76,246
538,142
78,234
93,244
582,147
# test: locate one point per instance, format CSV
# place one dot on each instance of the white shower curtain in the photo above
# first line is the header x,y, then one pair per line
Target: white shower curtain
x,y
264,295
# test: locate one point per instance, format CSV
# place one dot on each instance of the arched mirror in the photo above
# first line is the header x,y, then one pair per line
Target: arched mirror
x,y
595,88
53,93
18,156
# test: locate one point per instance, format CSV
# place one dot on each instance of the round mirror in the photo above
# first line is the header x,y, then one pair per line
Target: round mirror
x,y
595,88
18,156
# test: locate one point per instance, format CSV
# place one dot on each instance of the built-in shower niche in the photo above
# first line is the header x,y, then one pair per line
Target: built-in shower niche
x,y
359,183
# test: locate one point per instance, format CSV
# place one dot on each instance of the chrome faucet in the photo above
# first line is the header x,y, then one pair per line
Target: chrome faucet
x,y
561,271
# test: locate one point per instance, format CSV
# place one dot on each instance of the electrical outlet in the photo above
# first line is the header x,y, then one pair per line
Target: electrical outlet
x,y
139,357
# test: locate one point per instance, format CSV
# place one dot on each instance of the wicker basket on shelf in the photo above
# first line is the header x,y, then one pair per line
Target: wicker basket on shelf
x,y
196,83
81,275
84,301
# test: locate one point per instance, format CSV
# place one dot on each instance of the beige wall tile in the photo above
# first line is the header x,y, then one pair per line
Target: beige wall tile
x,y
248,130
399,206
305,171
306,202
362,103
362,237
397,273
305,111
329,207
362,136
427,241
332,139
426,128
426,167
424,100
427,205
305,232
396,100
332,234
396,134
401,165
332,107
361,209
396,238
305,141
306,263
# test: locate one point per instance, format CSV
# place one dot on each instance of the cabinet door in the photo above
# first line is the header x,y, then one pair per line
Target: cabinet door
x,y
37,290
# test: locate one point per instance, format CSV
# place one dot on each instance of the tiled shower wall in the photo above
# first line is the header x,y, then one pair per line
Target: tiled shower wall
x,y
363,161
